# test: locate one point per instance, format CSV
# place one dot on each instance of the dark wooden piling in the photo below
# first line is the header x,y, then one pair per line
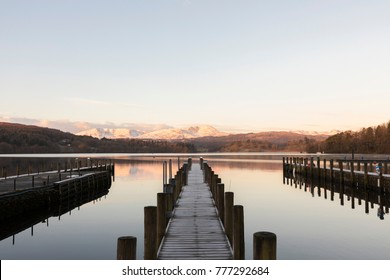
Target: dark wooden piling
x,y
221,201
365,176
126,248
264,246
150,232
228,219
161,216
331,172
238,233
341,168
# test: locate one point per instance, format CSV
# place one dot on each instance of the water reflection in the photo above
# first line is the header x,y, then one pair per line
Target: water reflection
x,y
371,197
307,227
14,223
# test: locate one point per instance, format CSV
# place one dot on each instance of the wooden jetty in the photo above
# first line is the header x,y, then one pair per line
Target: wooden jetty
x,y
355,180
56,191
195,219
366,173
195,230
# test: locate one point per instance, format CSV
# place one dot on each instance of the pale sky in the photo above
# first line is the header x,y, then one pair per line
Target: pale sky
x,y
251,65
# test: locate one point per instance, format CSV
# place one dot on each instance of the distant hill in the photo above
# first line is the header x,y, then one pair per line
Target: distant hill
x,y
259,142
18,138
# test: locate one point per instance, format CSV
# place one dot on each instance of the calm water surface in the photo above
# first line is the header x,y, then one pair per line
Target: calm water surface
x,y
307,225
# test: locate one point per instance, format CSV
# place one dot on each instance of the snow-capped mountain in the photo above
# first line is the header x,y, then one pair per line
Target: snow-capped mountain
x,y
184,133
113,133
166,134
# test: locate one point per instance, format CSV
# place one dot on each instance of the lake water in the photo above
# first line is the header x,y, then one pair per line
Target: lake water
x,y
308,225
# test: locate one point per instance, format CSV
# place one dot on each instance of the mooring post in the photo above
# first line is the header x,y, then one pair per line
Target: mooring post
x,y
238,234
325,172
352,173
264,246
229,203
318,170
380,184
221,201
161,216
214,183
126,248
305,162
170,169
341,173
295,164
365,176
311,168
164,172
150,232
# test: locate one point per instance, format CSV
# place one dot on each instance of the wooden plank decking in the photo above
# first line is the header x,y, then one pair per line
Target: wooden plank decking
x,y
195,230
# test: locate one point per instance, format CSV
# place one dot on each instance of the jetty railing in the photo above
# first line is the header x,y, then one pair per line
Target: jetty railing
x,y
47,177
366,173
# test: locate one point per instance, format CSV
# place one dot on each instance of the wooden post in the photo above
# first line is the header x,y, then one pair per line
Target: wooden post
x,y
352,174
331,172
170,169
214,185
161,216
341,173
318,170
221,201
228,219
365,176
325,173
150,232
238,235
380,178
311,168
126,248
264,246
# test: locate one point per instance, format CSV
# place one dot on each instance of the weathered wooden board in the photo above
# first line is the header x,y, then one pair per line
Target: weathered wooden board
x,y
195,230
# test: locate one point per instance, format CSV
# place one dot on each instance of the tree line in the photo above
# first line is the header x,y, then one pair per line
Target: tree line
x,y
374,140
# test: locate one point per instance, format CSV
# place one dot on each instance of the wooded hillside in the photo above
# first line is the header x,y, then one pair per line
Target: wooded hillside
x,y
374,140
18,138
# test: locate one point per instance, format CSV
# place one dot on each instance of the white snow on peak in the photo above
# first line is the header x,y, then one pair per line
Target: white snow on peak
x,y
166,134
